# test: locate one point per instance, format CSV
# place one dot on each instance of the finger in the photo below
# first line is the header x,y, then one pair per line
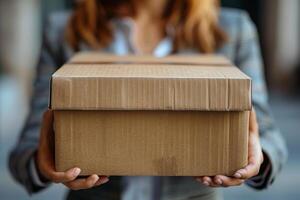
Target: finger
x,y
83,183
228,181
102,180
255,160
217,180
62,177
249,171
199,178
211,181
206,181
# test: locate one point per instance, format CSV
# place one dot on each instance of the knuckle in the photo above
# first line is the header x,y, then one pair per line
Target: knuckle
x,y
69,177
89,184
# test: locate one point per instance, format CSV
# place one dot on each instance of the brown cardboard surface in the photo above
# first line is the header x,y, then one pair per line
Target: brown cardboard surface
x,y
150,87
94,57
165,143
139,115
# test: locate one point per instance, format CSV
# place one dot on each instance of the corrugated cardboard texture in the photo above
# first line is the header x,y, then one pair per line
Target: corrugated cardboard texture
x,y
94,57
150,87
164,143
140,115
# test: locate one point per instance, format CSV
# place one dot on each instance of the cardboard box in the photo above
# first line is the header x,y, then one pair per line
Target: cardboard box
x,y
140,115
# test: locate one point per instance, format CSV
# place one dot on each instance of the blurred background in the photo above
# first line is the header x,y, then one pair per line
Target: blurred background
x,y
278,22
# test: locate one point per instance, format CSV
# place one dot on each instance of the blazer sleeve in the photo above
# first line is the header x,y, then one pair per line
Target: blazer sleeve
x,y
27,144
248,58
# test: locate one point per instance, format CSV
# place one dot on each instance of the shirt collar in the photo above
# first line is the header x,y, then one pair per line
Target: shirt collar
x,y
123,40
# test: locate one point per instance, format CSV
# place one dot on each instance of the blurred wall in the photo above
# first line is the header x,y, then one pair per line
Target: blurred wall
x,y
19,39
281,42
288,37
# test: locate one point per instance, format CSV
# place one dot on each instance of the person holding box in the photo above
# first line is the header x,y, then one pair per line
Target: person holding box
x,y
159,28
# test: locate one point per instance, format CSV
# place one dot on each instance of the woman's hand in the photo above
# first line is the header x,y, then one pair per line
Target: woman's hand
x,y
255,159
45,161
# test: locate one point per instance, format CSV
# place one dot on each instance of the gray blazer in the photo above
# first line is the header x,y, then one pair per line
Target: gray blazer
x,y
242,49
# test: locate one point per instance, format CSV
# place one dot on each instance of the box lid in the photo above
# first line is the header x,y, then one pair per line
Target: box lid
x,y
102,58
93,81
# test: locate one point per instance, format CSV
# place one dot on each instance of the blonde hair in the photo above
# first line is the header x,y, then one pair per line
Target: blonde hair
x,y
194,23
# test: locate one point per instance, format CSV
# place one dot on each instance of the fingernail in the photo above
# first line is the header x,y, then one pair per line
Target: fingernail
x,y
95,176
219,181
98,183
205,183
101,181
76,171
237,175
105,180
